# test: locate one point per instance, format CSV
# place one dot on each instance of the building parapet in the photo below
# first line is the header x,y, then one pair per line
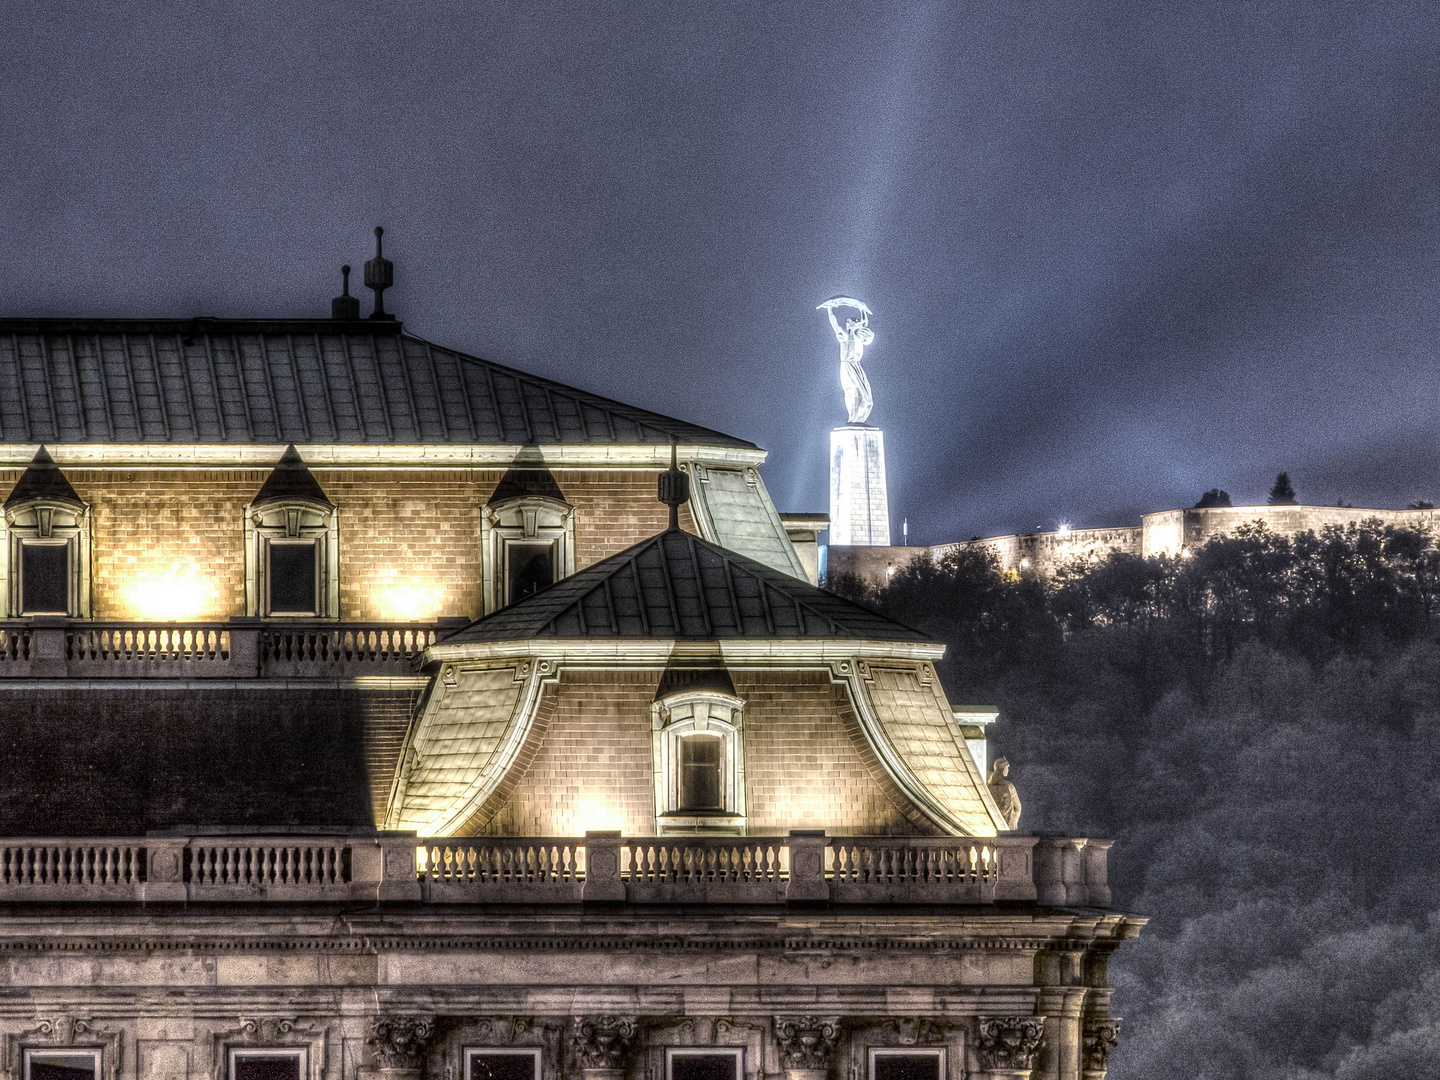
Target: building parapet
x,y
804,867
44,647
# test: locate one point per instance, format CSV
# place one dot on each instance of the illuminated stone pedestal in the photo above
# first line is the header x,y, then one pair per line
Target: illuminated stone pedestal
x,y
859,506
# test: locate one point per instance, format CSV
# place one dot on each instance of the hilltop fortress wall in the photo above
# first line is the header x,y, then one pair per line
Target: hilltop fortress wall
x,y
1166,532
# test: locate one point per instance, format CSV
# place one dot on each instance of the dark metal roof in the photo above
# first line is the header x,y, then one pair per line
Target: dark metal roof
x,y
676,585
42,479
299,381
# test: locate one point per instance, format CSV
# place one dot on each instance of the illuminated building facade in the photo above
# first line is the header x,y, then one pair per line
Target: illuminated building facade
x,y
371,717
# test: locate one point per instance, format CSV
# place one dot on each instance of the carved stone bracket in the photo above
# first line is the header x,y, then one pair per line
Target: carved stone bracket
x,y
806,1042
1098,1039
603,1042
398,1042
1009,1043
916,1030
61,1031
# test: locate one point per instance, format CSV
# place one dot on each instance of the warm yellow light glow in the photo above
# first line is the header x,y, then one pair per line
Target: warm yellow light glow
x,y
181,591
408,600
594,813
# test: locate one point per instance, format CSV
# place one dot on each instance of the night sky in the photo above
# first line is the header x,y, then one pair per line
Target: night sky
x,y
1118,254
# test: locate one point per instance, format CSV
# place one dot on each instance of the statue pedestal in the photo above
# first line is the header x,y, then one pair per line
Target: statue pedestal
x,y
859,504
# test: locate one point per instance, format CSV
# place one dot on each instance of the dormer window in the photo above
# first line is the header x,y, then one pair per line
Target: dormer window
x,y
699,755
47,544
291,543
527,538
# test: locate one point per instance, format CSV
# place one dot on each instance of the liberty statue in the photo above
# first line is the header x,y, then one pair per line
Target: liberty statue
x,y
853,338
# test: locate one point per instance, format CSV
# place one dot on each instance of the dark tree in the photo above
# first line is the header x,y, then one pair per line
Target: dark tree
x,y
1213,497
1283,493
1420,504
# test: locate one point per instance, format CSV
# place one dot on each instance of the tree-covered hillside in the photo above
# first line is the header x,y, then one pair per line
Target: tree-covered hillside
x,y
1258,727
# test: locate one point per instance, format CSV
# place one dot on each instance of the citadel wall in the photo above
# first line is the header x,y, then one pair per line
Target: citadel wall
x,y
1166,532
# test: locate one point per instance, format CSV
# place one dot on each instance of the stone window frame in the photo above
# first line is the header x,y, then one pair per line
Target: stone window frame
x,y
49,522
938,1052
95,1053
283,1034
64,1034
736,1052
301,1054
522,519
292,520
674,717
534,1053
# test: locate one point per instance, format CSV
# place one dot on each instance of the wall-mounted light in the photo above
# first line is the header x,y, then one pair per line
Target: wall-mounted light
x,y
175,593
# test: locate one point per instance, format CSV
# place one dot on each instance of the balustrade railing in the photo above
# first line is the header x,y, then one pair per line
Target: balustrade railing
x,y
57,647
800,868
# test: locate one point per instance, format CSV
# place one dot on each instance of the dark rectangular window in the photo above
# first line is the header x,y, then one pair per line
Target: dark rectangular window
x,y
529,568
62,1065
700,773
499,1065
292,578
886,1066
699,1065
44,579
281,1066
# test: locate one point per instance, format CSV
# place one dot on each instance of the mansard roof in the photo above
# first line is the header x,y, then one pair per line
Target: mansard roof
x,y
676,585
42,479
248,382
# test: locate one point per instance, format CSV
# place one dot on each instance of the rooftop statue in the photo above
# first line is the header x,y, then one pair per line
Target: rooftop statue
x,y
853,338
1004,793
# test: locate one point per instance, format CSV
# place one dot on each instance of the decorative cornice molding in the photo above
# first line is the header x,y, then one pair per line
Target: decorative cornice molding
x,y
603,1042
806,1042
398,1042
1009,1042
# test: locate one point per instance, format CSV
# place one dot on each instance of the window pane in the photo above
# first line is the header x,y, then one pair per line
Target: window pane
x,y
43,570
700,773
292,578
531,567
267,1067
502,1067
907,1067
704,1067
62,1066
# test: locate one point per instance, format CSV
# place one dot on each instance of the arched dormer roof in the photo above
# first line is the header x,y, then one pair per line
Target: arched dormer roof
x,y
43,481
289,481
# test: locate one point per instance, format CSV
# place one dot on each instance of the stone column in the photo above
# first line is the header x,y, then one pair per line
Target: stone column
x,y
1005,1046
397,1046
602,1045
1099,1035
806,1045
859,503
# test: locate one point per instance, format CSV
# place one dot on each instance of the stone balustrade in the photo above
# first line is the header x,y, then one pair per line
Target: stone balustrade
x,y
46,647
804,867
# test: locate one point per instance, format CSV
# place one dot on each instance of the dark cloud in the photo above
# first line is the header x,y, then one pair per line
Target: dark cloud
x,y
1118,253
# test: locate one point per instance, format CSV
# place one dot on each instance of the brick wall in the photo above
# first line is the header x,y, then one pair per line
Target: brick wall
x,y
593,769
169,544
801,769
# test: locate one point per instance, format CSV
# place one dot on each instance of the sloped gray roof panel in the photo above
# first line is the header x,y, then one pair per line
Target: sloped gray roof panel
x,y
676,585
301,381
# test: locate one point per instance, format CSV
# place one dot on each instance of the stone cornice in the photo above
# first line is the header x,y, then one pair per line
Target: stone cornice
x,y
224,456
649,653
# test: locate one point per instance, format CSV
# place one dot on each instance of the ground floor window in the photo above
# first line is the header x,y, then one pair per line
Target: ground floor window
x,y
705,1063
888,1064
267,1064
62,1064
513,1063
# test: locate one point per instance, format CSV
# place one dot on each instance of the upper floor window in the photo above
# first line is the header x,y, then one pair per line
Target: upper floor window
x,y
46,554
527,543
700,760
263,1063
292,551
502,1063
62,1064
705,1063
907,1064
